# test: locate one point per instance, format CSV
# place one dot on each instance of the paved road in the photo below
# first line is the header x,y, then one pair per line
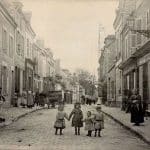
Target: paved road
x,y
35,132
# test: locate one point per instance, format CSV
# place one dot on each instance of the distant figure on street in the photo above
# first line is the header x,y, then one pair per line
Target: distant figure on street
x,y
124,100
137,111
129,101
98,120
60,119
89,123
30,99
24,99
2,100
37,98
77,118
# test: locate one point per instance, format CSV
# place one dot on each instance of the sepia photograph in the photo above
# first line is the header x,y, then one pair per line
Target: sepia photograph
x,y
75,74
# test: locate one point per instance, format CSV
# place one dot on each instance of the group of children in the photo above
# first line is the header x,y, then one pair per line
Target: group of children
x,y
93,122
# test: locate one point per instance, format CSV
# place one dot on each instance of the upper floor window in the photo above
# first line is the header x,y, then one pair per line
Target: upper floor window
x,y
22,45
126,48
11,46
27,47
18,44
148,19
31,50
133,43
138,27
4,40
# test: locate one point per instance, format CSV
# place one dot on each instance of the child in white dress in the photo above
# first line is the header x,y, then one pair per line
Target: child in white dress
x,y
89,123
60,119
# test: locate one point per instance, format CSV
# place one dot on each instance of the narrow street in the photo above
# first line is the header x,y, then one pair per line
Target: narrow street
x,y
36,131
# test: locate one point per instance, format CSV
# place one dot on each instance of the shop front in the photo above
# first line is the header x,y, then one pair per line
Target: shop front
x,y
144,78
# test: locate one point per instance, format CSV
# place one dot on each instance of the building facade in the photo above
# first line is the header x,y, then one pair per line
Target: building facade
x,y
136,55
110,75
7,51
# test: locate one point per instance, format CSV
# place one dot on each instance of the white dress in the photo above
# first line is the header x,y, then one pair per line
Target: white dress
x,y
60,120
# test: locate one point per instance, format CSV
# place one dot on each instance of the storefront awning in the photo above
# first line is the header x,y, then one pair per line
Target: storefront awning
x,y
143,50
127,62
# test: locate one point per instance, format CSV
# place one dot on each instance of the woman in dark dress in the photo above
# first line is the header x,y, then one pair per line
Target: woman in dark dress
x,y
137,113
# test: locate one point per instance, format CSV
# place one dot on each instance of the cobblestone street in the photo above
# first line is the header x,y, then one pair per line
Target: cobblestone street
x,y
36,131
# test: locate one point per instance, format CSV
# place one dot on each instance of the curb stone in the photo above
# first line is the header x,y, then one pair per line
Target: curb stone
x,y
142,137
19,117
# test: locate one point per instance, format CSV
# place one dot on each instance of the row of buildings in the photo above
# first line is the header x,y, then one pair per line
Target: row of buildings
x,y
124,63
25,63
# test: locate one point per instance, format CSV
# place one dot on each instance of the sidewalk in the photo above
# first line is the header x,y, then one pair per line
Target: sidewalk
x,y
123,118
14,113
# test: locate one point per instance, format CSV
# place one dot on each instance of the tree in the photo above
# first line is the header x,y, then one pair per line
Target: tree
x,y
86,80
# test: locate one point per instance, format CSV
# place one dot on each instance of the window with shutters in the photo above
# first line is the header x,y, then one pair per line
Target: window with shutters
x,y
4,41
11,46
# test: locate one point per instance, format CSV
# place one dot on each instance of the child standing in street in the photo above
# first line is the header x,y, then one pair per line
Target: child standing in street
x,y
77,118
89,123
98,121
60,119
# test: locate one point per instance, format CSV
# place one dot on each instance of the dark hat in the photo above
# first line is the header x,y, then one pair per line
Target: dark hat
x,y
98,106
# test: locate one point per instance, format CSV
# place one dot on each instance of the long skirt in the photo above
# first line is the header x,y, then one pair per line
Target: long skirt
x,y
77,122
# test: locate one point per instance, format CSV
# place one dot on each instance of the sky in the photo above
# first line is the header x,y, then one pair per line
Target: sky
x,y
70,28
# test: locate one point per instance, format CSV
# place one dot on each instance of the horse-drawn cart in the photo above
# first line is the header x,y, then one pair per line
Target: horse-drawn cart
x,y
54,97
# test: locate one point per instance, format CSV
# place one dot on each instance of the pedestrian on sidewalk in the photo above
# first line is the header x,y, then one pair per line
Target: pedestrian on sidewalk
x,y
98,120
60,119
77,118
30,99
89,123
137,111
24,99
